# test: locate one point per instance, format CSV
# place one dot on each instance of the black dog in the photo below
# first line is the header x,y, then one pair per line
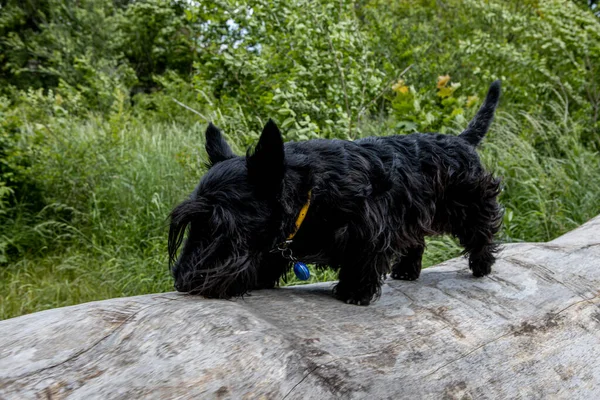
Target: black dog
x,y
372,201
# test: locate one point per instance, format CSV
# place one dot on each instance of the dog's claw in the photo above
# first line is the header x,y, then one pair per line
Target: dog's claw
x,y
358,302
403,277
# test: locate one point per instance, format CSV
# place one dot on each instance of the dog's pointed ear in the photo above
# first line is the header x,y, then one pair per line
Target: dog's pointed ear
x,y
217,148
266,164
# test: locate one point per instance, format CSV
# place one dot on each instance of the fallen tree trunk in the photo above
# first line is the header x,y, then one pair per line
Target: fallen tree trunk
x,y
531,330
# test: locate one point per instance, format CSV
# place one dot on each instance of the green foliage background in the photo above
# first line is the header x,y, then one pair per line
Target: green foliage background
x,y
103,104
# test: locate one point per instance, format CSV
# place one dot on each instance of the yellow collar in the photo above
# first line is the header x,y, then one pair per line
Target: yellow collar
x,y
301,217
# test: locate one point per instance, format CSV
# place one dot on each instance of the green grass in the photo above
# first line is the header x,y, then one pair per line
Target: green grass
x,y
104,233
108,187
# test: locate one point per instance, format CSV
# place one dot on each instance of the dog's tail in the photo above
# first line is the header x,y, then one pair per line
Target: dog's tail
x,y
479,125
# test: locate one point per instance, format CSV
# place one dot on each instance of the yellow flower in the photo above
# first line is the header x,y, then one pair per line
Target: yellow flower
x,y
400,87
443,81
472,100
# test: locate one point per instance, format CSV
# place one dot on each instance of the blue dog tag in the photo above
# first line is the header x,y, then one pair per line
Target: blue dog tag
x,y
301,271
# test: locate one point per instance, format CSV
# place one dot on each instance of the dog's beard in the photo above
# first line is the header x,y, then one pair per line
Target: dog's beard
x,y
215,260
230,277
217,269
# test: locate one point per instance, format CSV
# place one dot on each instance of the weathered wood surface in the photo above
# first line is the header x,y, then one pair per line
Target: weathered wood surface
x,y
530,330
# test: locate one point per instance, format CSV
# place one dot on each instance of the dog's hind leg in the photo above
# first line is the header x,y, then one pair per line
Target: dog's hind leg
x,y
481,251
479,223
360,278
408,266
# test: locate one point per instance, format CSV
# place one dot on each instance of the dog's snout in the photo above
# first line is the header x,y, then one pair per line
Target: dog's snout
x,y
179,281
182,285
178,287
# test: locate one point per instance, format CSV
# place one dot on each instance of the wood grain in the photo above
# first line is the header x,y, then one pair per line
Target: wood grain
x,y
530,330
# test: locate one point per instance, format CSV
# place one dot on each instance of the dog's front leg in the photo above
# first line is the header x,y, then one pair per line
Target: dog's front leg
x,y
360,278
408,266
272,268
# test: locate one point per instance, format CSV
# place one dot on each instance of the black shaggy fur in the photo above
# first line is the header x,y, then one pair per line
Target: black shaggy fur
x,y
373,202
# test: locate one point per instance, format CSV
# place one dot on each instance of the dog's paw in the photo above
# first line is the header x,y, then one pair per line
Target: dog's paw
x,y
480,269
265,285
406,270
352,298
403,276
359,302
481,263
480,273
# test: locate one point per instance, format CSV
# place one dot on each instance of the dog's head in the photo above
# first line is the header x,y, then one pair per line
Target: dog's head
x,y
230,218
